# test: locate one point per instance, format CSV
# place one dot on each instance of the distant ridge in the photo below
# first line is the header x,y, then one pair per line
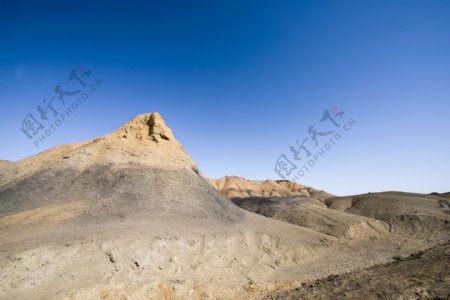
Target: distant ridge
x,y
239,187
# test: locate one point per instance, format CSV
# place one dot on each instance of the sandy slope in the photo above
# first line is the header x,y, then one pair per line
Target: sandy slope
x,y
423,275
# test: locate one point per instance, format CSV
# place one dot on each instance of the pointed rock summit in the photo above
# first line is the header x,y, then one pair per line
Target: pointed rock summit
x,y
148,138
149,126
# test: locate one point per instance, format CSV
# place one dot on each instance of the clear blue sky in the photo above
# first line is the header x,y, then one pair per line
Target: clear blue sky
x,y
240,81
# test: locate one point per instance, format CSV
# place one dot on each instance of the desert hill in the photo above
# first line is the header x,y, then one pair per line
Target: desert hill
x,y
388,215
129,215
417,215
137,166
313,214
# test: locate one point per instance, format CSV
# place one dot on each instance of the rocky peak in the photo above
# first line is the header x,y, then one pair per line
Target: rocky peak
x,y
148,126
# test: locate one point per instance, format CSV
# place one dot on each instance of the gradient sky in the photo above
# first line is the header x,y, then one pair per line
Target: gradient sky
x,y
240,81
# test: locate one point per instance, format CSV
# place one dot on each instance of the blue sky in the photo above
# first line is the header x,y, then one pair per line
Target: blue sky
x,y
240,81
